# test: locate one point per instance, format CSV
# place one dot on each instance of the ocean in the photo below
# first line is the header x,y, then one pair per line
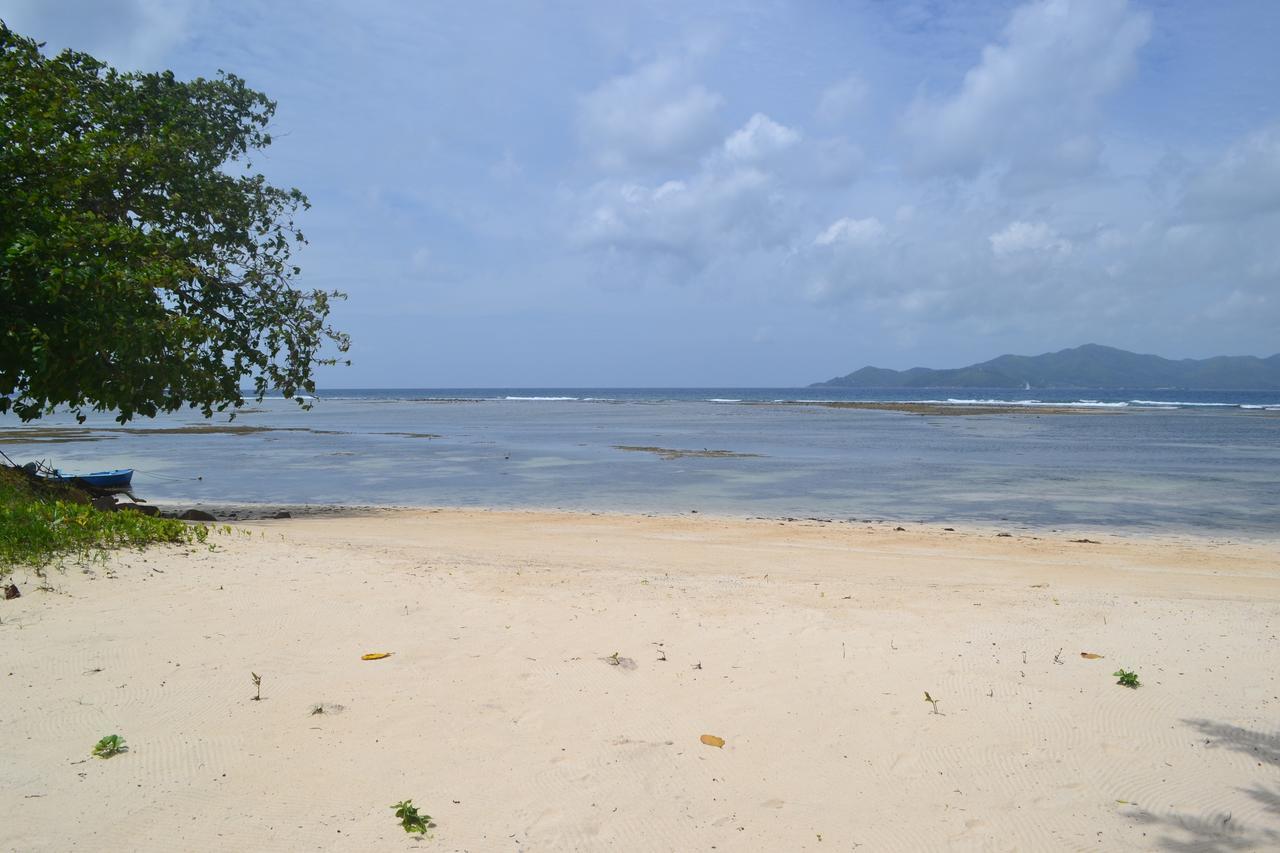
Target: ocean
x,y
1171,461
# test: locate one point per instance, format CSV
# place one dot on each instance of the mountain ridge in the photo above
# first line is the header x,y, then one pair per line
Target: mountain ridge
x,y
1086,366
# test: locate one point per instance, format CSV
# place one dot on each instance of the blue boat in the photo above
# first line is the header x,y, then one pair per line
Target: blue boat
x,y
121,477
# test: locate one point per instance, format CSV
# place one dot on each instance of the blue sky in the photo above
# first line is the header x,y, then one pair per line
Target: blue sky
x,y
751,193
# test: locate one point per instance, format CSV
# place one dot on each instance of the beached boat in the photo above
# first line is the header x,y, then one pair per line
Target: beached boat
x,y
98,479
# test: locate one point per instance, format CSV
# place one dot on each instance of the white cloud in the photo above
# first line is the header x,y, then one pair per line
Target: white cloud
x,y
653,116
1031,102
1028,237
841,100
695,222
857,232
759,138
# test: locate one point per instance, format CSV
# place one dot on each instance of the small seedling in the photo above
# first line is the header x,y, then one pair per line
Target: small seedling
x,y
931,701
613,660
257,685
409,817
109,746
1127,678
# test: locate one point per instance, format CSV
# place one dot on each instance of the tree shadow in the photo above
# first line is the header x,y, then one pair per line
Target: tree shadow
x,y
1223,833
1262,747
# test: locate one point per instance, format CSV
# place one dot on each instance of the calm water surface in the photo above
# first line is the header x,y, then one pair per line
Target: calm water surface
x,y
1207,462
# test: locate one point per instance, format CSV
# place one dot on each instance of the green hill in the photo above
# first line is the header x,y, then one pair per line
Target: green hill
x,y
1088,366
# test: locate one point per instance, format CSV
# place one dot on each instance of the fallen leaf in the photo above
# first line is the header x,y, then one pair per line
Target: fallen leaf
x,y
1090,656
712,740
375,656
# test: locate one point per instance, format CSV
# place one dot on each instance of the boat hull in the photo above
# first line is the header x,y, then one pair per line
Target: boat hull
x,y
101,479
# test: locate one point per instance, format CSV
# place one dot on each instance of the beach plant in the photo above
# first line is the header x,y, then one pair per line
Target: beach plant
x,y
407,812
109,746
257,685
41,523
931,701
1127,678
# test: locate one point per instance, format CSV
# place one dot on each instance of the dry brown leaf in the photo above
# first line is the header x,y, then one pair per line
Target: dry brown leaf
x,y
1090,656
375,656
712,740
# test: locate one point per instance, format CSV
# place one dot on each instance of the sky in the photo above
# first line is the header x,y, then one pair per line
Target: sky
x,y
731,193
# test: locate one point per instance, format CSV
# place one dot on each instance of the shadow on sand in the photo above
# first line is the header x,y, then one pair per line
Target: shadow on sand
x,y
1224,833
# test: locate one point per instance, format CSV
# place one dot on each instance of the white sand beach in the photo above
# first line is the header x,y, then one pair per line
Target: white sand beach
x,y
504,714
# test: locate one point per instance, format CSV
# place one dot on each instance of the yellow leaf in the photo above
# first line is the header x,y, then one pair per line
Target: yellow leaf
x,y
1090,656
375,656
712,740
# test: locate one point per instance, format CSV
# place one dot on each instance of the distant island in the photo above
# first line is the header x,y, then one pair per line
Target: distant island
x,y
1088,366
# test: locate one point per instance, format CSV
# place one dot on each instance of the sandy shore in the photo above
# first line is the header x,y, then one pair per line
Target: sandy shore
x,y
807,647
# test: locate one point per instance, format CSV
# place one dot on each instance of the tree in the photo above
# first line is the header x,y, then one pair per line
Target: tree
x,y
144,267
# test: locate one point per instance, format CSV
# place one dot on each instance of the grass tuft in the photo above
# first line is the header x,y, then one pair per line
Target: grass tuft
x,y
41,524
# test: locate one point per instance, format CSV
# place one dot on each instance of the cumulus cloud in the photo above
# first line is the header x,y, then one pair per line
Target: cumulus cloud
x,y
695,221
1031,102
653,116
1027,237
759,138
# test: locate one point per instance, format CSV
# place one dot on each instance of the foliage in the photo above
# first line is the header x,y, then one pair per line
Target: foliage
x,y
109,746
143,265
1127,678
36,528
409,817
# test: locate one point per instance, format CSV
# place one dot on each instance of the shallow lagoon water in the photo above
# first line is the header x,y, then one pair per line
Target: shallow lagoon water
x,y
1191,468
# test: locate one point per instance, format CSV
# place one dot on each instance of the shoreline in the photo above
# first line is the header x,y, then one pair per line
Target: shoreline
x,y
249,511
552,673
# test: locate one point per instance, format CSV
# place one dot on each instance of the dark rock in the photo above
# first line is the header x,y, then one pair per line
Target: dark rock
x,y
11,591
105,503
196,515
284,513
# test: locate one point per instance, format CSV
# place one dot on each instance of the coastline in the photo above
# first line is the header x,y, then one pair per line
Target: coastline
x,y
237,512
806,645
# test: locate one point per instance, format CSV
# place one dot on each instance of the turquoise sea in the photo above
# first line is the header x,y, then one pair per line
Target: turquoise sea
x,y
1177,460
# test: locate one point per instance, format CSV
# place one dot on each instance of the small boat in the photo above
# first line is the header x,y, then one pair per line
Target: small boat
x,y
98,479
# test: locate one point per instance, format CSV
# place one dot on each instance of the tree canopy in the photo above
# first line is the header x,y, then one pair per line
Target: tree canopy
x,y
144,266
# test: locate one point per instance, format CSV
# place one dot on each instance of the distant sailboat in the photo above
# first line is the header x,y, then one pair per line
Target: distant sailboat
x,y
1026,386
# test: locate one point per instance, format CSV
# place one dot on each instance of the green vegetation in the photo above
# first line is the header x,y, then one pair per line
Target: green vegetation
x,y
1127,678
144,266
931,701
409,817
41,523
1088,366
109,746
257,686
